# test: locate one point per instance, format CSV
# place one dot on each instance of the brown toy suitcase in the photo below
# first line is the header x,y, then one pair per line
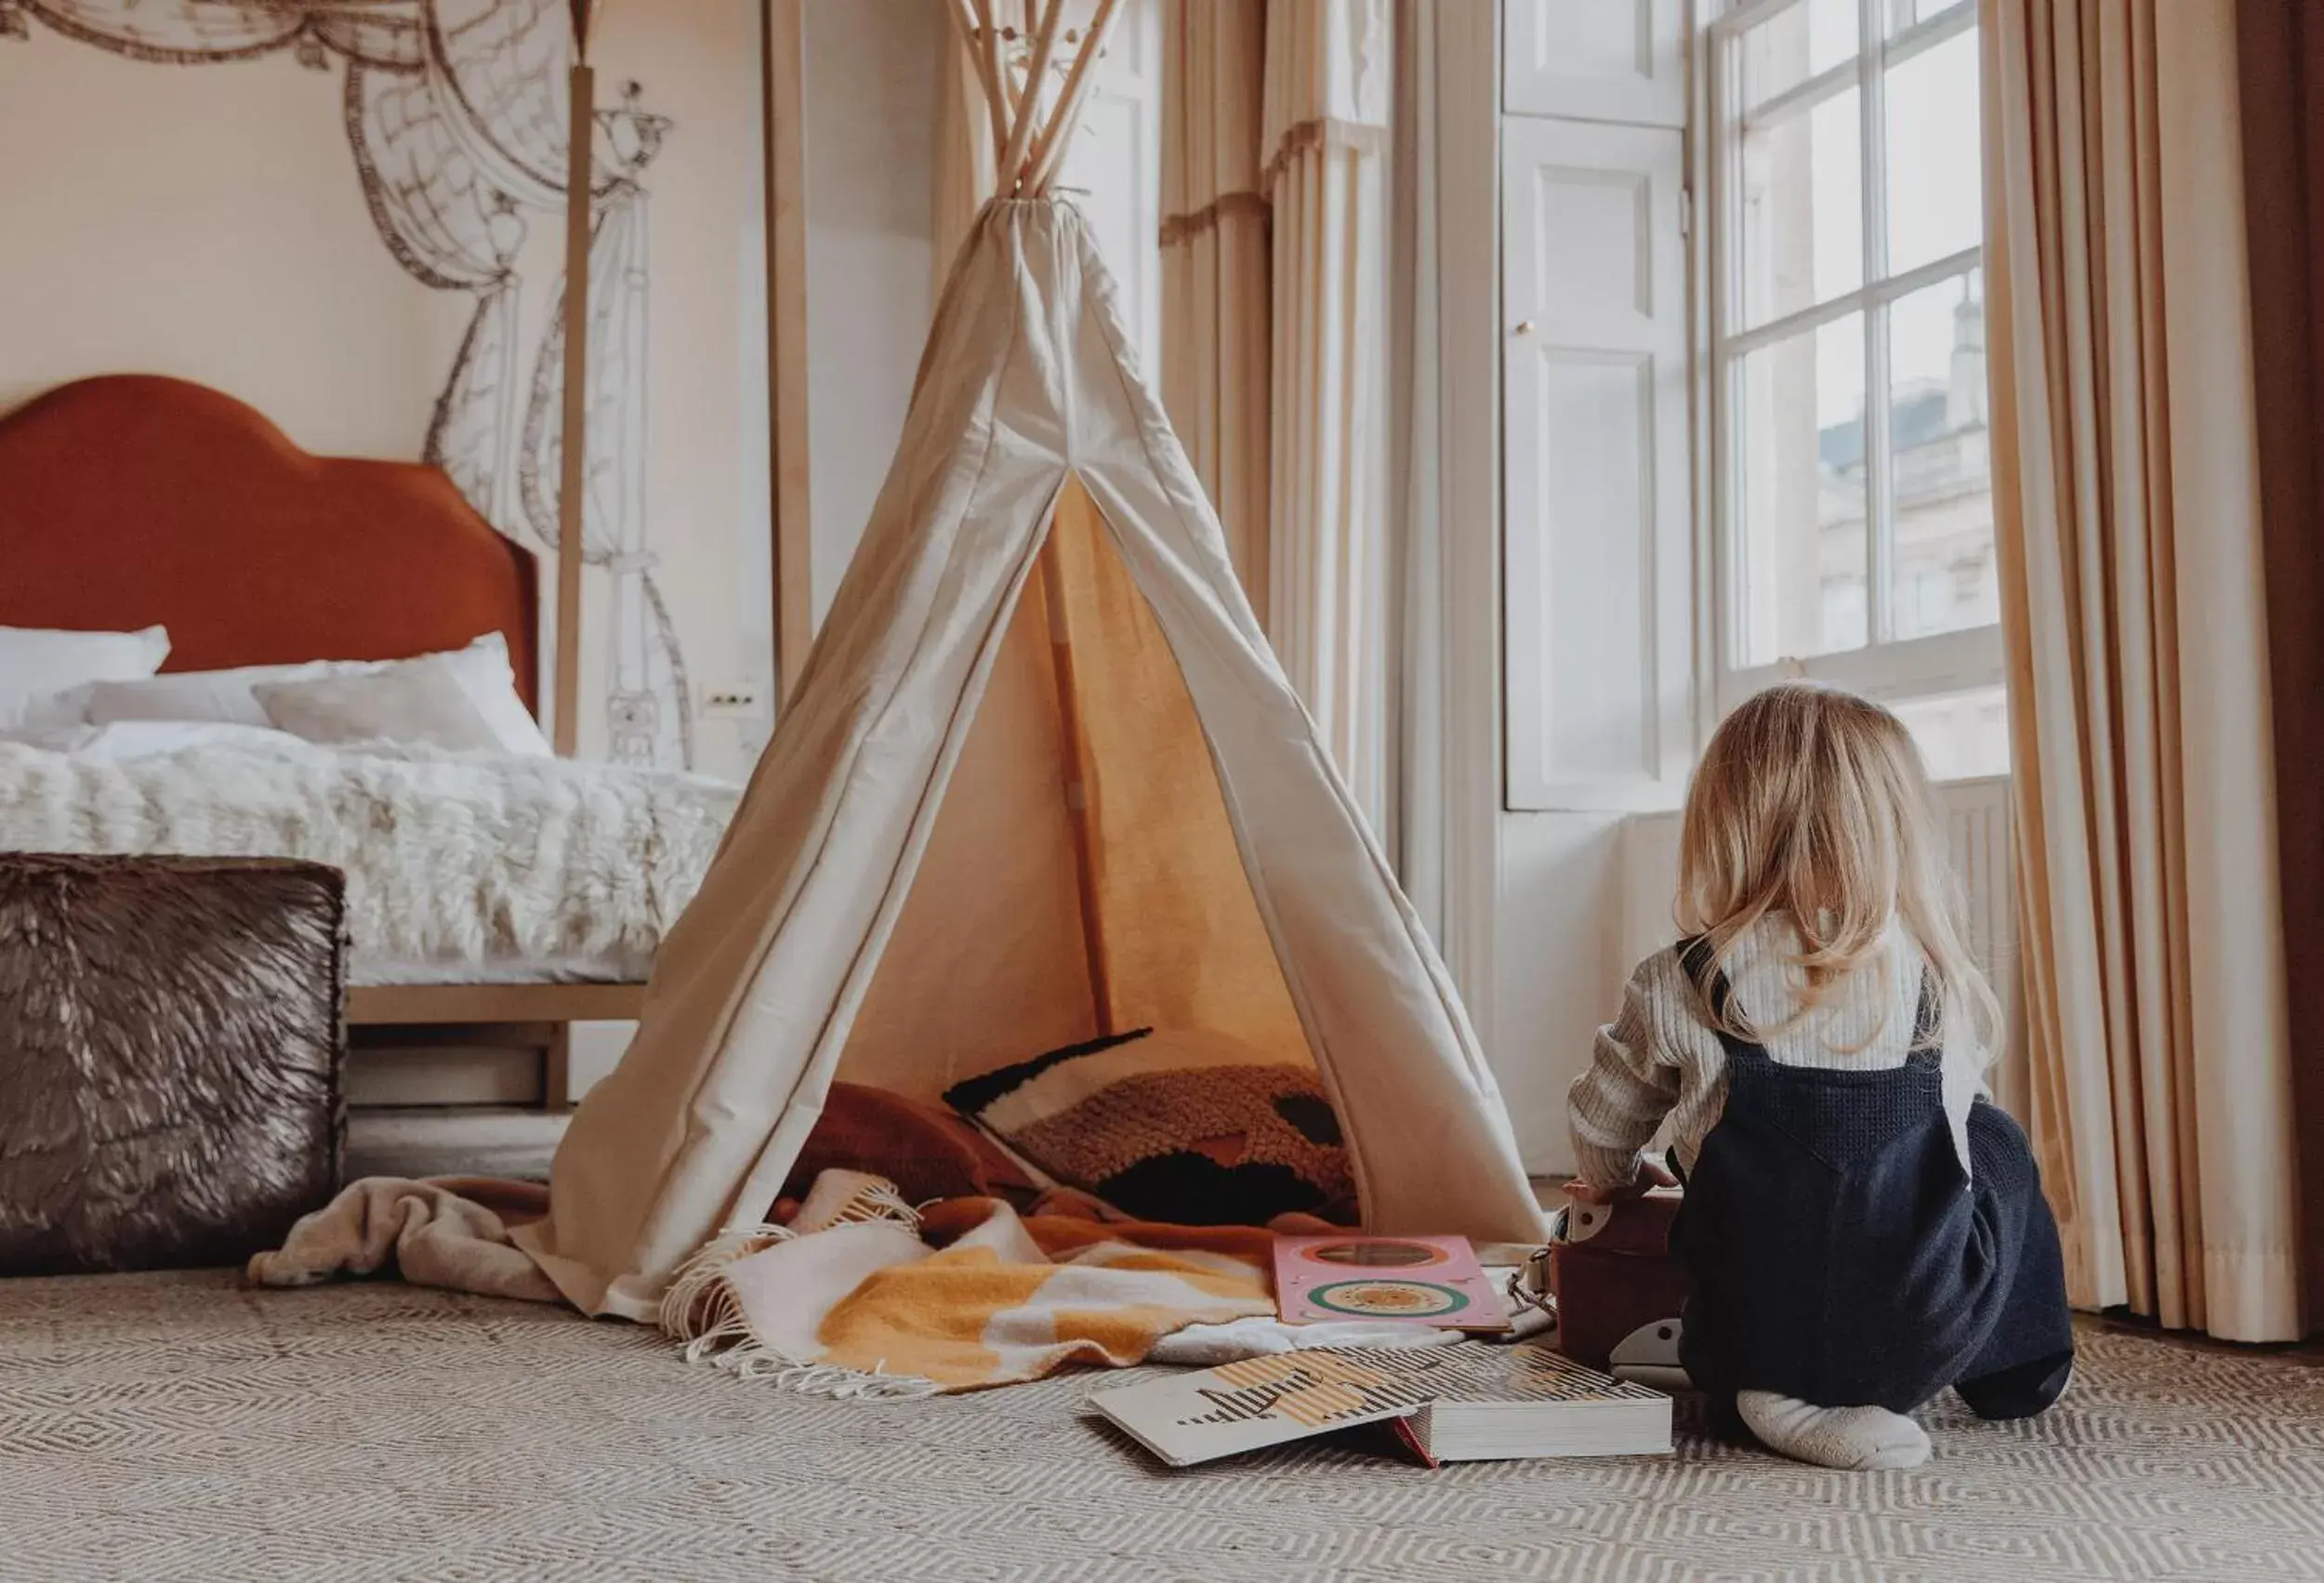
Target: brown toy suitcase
x,y
1619,1289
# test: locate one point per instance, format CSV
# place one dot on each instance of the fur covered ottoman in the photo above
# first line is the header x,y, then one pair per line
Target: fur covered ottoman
x,y
171,1038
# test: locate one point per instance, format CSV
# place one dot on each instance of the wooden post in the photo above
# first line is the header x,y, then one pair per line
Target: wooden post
x,y
557,1068
1049,149
1010,166
793,557
1077,785
572,482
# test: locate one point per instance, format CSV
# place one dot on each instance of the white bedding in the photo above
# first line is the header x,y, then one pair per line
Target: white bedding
x,y
461,868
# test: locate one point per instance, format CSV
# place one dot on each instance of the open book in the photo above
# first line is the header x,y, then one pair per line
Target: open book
x,y
1463,1403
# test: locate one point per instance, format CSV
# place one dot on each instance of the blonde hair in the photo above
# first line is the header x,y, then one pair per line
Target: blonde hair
x,y
1813,803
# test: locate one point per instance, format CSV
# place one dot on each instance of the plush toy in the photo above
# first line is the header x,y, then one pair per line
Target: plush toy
x,y
1621,1289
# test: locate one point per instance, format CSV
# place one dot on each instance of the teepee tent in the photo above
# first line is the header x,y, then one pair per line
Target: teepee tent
x,y
1041,781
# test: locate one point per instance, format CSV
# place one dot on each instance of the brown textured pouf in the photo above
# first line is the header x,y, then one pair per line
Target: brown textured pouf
x,y
172,1034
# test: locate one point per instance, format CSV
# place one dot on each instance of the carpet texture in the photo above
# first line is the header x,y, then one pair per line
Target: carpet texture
x,y
177,1427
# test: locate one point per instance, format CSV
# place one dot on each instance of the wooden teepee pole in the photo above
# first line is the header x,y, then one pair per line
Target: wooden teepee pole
x,y
1077,783
1049,151
1012,166
983,40
573,477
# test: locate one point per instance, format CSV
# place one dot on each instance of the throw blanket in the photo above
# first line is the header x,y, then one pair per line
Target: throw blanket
x,y
450,1232
851,1300
456,859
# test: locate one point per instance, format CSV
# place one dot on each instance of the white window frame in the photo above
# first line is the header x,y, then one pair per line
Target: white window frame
x,y
1885,668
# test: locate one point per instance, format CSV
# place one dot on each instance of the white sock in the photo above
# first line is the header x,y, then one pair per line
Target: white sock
x,y
1855,1438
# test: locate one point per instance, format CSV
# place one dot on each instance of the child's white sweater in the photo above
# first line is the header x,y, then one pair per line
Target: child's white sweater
x,y
1661,1061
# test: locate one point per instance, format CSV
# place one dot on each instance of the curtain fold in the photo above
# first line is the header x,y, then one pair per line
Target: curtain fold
x,y
1276,184
2280,57
1329,562
2126,493
1217,269
1417,781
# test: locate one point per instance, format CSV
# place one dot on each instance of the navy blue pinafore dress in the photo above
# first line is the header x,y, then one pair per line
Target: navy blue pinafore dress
x,y
1840,1255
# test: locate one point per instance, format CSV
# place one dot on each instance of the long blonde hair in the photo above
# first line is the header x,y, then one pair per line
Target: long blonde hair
x,y
1813,803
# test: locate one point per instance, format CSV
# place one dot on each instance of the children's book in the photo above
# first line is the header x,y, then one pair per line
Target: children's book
x,y
1451,1403
1432,1281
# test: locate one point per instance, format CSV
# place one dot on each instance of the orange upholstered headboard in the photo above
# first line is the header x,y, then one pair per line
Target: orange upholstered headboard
x,y
132,499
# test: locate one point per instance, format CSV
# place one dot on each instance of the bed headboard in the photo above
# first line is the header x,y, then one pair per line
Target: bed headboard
x,y
131,499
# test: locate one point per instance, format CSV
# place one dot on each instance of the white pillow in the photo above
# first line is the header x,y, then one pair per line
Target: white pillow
x,y
215,697
421,701
142,739
229,696
42,670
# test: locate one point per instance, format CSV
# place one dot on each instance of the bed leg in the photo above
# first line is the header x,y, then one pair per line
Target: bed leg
x,y
557,1068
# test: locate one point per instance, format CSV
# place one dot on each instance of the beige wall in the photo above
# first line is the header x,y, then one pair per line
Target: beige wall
x,y
207,221
870,130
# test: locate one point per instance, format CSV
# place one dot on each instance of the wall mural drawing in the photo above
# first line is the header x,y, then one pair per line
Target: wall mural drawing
x,y
456,111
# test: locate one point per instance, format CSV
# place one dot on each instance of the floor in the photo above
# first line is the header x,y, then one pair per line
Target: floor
x,y
180,1427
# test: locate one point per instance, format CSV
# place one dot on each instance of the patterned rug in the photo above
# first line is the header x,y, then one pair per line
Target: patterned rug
x,y
176,1427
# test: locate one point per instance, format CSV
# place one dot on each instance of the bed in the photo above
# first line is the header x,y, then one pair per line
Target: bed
x,y
130,501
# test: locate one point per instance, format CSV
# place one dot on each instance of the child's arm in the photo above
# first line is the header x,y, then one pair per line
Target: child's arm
x,y
1614,1109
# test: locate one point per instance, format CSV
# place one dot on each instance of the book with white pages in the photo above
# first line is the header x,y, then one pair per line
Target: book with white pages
x,y
1461,1403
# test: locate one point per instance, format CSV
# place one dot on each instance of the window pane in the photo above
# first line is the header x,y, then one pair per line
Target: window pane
x,y
1944,573
1959,734
1800,524
1805,41
1935,182
1802,209
1903,14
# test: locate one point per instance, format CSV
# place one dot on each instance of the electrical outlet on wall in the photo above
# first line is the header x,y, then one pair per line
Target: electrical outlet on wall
x,y
734,698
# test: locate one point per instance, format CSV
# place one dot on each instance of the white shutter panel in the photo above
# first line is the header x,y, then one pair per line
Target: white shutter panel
x,y
1598,572
1595,60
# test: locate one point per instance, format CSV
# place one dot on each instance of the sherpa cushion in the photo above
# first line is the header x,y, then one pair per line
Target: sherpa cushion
x,y
1188,1127
170,1057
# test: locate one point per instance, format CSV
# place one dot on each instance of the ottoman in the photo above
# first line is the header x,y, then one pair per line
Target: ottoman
x,y
172,1034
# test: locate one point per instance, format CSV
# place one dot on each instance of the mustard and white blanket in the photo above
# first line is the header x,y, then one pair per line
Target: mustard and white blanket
x,y
864,1297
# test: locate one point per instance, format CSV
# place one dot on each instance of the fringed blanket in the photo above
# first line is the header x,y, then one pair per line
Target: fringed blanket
x,y
861,1295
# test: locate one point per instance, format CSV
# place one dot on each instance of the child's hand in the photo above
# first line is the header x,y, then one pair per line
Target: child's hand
x,y
1651,1175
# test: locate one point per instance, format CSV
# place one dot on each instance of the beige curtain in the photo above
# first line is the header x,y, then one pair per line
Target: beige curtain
x,y
2281,56
2127,509
1274,368
1217,281
1417,781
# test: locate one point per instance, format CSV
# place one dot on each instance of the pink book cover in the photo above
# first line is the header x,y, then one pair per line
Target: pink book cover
x,y
1434,1280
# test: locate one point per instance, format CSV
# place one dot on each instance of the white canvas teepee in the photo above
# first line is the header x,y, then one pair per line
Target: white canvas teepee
x,y
1042,780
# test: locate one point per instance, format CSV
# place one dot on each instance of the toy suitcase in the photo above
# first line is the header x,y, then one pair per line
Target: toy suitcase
x,y
1620,1290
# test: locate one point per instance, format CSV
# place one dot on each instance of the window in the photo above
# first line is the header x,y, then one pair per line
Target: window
x,y
1851,492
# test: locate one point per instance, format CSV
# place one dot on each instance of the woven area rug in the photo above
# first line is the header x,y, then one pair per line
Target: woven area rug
x,y
177,1427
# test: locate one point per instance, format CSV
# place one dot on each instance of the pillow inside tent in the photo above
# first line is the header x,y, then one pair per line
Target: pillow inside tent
x,y
1185,1126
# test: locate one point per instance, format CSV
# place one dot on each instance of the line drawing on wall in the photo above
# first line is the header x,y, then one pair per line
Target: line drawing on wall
x,y
455,113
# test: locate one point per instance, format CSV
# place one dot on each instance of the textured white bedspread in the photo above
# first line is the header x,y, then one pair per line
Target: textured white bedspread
x,y
453,862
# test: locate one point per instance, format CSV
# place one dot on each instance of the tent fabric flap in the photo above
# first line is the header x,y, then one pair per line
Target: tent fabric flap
x,y
944,862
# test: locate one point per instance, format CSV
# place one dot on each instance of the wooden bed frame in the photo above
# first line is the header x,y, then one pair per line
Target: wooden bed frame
x,y
128,500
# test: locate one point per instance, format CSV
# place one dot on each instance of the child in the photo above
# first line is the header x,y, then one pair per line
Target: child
x,y
1862,1227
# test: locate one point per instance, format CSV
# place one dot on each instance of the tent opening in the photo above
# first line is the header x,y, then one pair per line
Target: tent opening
x,y
1081,879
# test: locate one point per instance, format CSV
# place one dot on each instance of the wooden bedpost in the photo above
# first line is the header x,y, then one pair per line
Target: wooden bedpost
x,y
573,478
